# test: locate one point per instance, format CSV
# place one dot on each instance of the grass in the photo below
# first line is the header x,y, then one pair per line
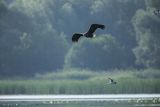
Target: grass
x,y
85,82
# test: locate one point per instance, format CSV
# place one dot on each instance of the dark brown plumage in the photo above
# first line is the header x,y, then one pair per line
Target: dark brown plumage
x,y
89,33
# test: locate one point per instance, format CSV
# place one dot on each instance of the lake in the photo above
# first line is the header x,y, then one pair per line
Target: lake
x,y
109,100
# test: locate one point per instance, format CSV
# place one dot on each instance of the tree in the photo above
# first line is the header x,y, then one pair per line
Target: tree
x,y
147,30
153,4
100,53
69,16
28,46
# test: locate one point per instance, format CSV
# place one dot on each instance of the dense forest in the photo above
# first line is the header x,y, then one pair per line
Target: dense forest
x,y
35,35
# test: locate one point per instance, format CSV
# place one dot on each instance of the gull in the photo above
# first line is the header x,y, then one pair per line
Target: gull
x,y
111,81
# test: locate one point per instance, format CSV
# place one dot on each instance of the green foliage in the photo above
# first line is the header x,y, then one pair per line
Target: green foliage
x,y
78,74
101,53
153,4
3,8
28,46
35,35
147,34
149,73
96,83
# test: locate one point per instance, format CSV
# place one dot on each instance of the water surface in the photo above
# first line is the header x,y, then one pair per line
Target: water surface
x,y
120,100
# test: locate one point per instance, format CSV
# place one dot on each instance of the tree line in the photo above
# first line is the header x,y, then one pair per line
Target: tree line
x,y
35,35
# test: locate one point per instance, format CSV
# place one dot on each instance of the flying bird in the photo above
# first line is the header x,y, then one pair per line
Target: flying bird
x,y
111,81
89,33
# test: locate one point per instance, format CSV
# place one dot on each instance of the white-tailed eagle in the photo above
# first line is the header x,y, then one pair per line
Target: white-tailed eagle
x,y
88,34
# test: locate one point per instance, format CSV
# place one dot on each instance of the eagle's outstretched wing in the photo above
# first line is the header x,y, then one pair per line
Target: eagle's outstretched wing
x,y
76,36
90,32
93,28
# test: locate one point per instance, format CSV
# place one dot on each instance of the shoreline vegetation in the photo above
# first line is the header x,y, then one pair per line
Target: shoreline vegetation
x,y
85,82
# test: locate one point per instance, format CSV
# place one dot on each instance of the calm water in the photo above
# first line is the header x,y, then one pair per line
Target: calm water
x,y
80,101
78,104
